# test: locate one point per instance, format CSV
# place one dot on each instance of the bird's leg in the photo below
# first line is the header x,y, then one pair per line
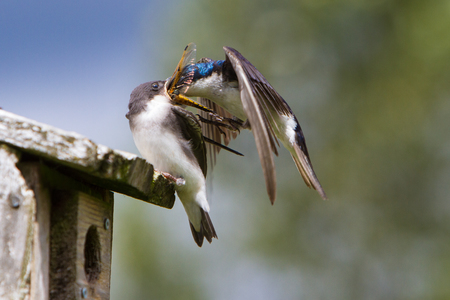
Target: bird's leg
x,y
229,123
246,124
234,124
170,177
238,123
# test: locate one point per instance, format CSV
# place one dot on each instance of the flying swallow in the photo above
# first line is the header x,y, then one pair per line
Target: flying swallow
x,y
236,86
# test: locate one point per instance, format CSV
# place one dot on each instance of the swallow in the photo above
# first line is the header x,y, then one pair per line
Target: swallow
x,y
170,138
238,88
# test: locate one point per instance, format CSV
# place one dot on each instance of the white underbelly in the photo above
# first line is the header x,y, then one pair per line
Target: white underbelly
x,y
165,149
224,94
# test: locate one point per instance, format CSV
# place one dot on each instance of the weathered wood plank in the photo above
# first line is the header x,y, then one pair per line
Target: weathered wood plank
x,y
94,245
114,170
17,212
56,209
81,244
31,171
63,238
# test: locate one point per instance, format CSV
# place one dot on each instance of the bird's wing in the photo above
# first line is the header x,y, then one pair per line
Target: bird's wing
x,y
269,98
272,104
211,131
191,130
256,113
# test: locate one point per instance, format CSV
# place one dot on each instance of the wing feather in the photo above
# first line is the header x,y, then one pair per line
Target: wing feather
x,y
304,167
260,94
264,138
191,131
212,132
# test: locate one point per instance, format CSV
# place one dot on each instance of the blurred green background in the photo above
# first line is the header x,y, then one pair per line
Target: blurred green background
x,y
369,82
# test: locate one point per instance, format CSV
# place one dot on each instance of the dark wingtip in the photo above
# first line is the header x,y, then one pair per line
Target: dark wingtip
x,y
271,185
272,198
322,193
305,168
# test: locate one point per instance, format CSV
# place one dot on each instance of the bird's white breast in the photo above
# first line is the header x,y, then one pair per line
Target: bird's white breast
x,y
225,94
151,137
161,144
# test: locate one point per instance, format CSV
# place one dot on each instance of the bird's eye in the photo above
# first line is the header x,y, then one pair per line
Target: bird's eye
x,y
155,86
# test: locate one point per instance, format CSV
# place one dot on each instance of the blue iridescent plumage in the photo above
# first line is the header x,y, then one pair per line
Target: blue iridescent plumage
x,y
205,69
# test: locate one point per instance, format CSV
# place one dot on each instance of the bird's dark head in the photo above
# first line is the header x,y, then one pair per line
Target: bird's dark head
x,y
143,94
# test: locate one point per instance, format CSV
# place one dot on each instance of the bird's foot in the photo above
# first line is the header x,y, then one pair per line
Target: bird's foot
x,y
232,124
177,181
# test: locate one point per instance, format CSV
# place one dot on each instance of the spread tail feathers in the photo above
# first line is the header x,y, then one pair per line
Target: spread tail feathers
x,y
206,230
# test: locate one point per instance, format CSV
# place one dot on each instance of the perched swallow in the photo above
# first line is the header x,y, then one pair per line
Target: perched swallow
x,y
170,138
235,85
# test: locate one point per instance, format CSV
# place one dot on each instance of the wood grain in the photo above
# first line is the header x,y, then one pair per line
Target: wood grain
x,y
17,212
73,213
41,230
81,158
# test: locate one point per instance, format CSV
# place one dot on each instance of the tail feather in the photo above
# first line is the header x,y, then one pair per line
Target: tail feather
x,y
198,236
206,229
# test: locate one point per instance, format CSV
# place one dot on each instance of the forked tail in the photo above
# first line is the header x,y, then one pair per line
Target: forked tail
x,y
206,229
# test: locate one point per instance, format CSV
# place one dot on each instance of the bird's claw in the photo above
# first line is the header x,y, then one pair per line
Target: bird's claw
x,y
178,181
231,124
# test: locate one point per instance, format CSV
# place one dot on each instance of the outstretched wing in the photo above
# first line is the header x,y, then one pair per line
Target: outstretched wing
x,y
271,105
256,113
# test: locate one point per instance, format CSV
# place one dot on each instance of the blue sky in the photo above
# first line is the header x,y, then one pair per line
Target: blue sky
x,y
73,64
